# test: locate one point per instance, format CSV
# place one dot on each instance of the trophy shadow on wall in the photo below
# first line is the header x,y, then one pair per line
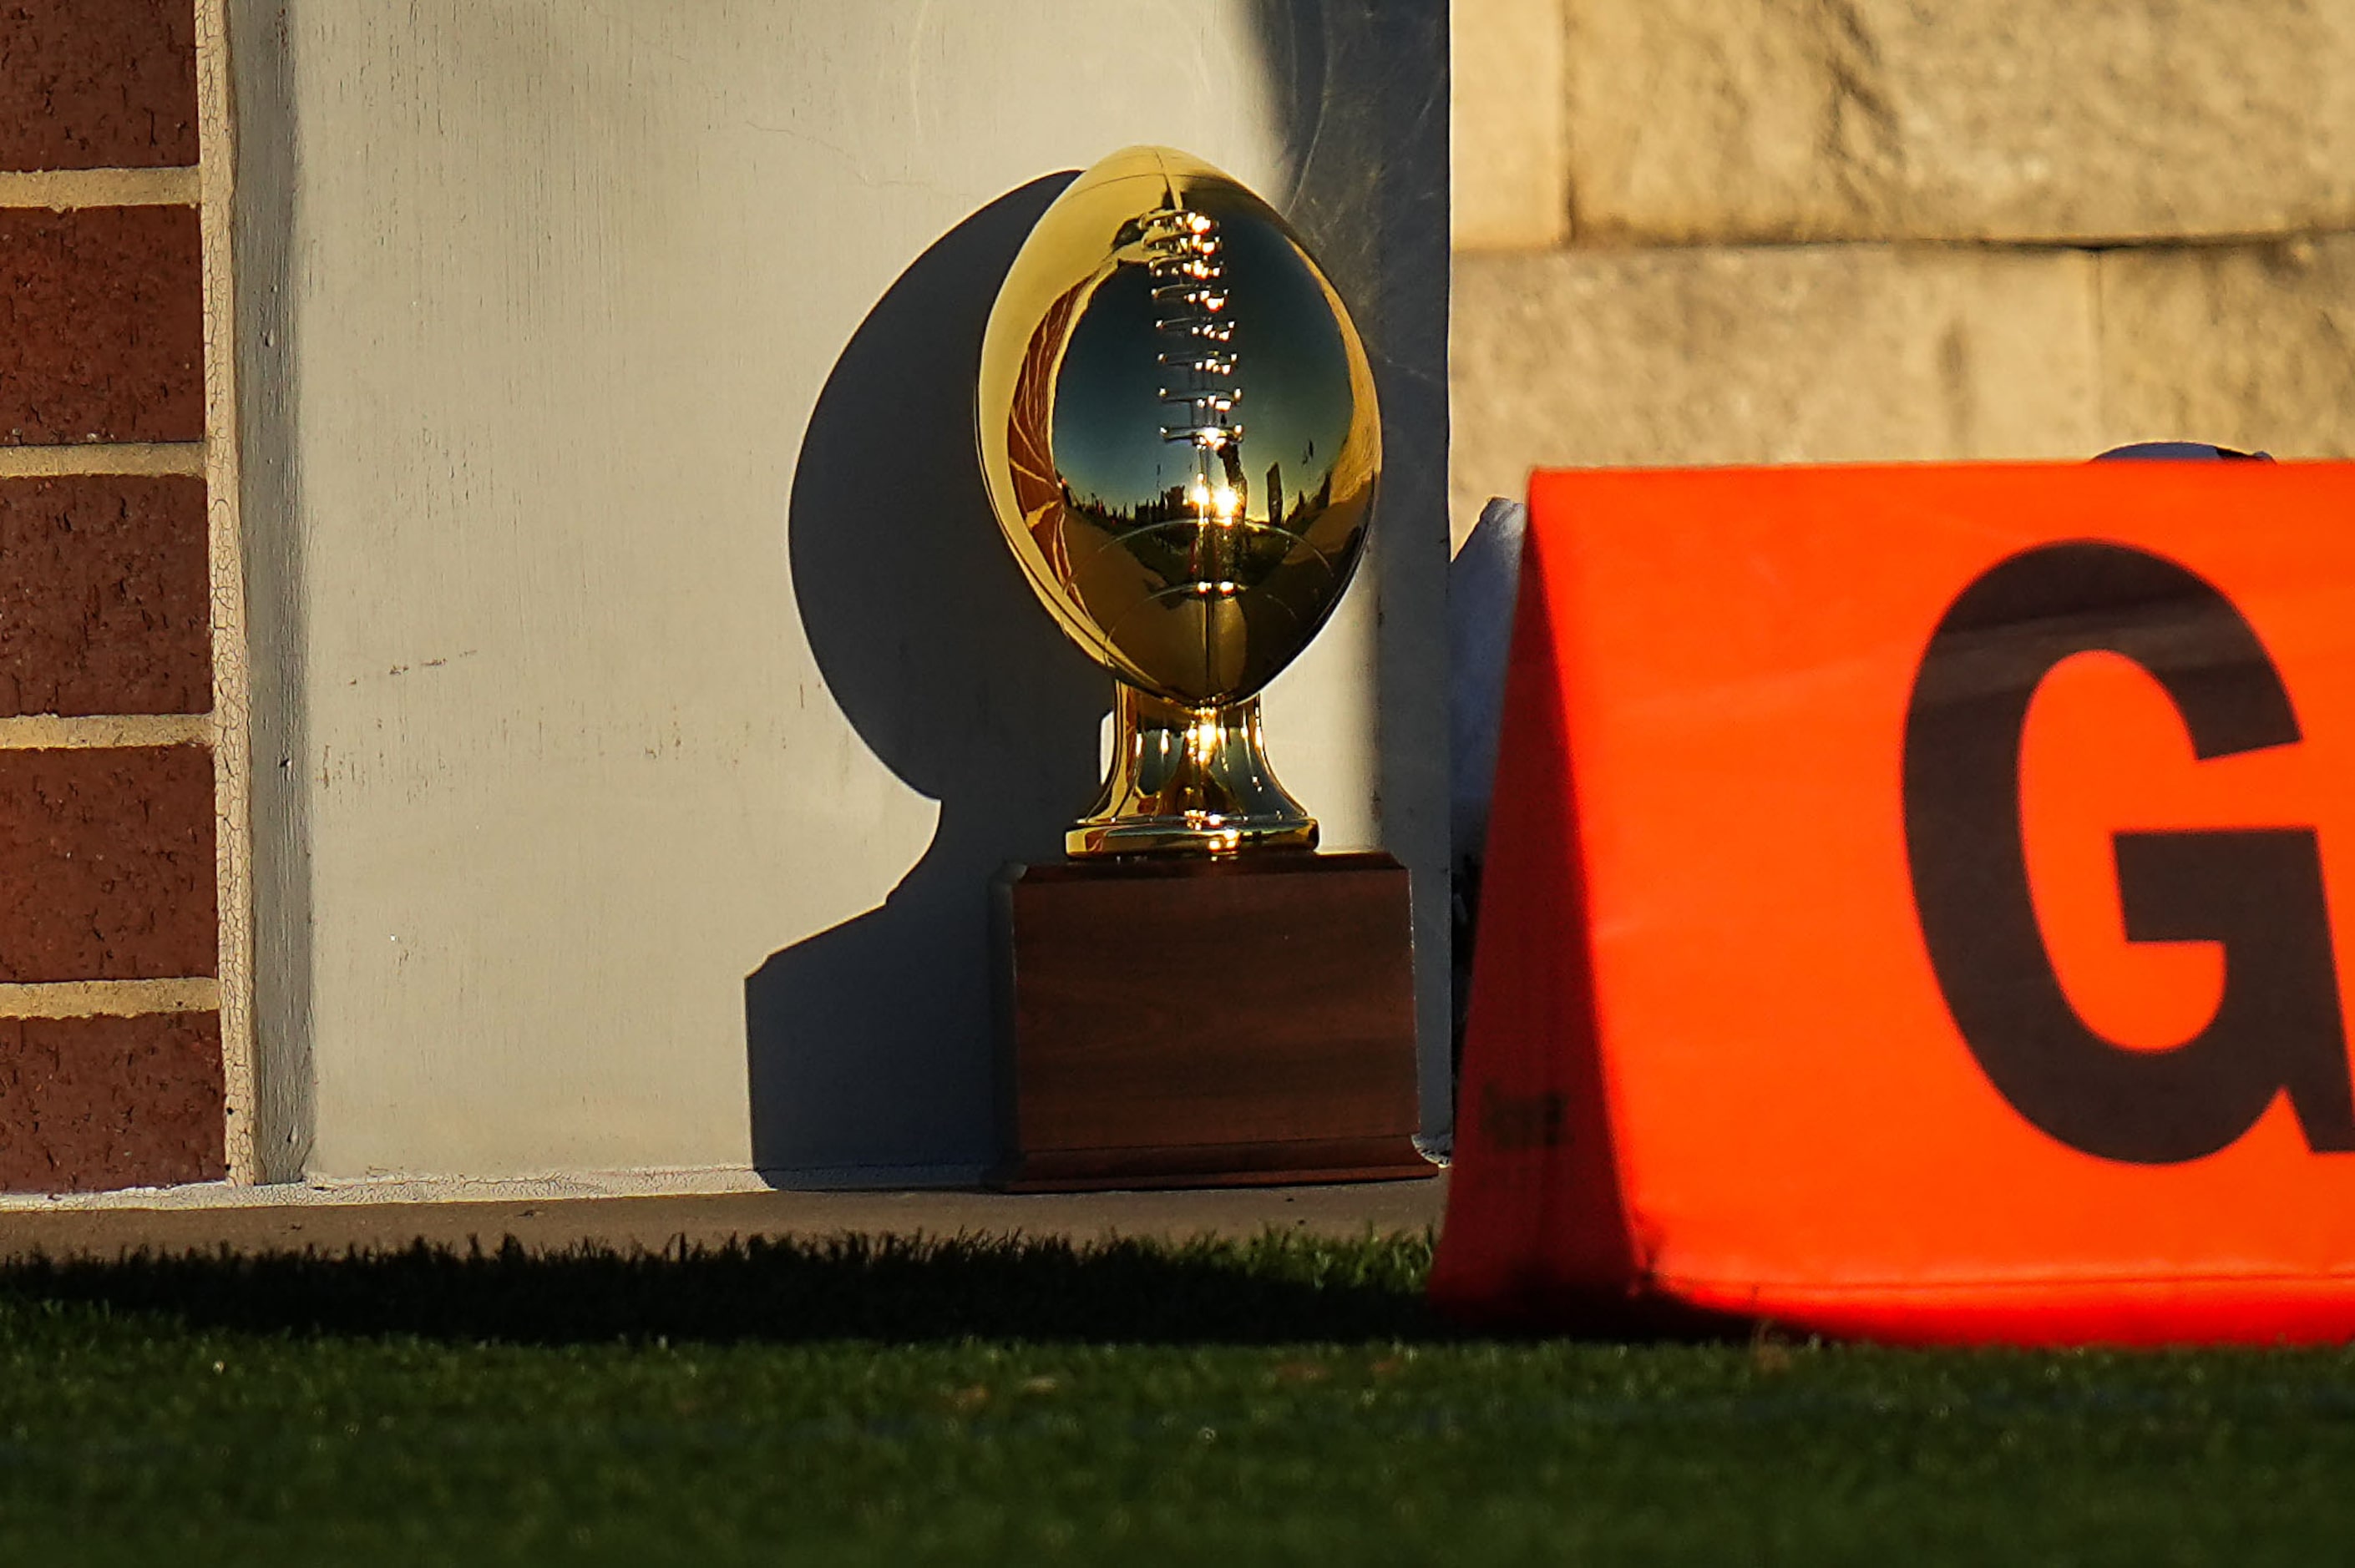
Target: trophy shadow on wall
x,y
869,1044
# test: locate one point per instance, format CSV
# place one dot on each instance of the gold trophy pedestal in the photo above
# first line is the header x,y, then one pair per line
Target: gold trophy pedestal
x,y
1189,782
1205,1021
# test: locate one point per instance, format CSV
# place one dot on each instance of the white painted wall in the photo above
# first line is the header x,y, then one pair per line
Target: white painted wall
x,y
648,693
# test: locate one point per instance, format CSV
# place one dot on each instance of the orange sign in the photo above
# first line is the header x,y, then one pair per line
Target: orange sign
x,y
1921,903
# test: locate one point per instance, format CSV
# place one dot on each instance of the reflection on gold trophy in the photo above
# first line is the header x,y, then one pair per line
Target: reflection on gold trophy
x,y
1177,427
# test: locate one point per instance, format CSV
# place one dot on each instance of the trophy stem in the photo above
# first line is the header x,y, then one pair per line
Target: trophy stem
x,y
1189,782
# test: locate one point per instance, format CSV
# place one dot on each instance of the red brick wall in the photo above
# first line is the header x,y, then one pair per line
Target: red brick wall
x,y
103,602
101,324
97,84
107,834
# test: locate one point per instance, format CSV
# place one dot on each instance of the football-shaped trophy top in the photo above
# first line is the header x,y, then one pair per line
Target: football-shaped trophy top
x,y
1177,428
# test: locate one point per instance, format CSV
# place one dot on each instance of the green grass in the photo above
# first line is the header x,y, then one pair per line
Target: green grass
x,y
1281,1401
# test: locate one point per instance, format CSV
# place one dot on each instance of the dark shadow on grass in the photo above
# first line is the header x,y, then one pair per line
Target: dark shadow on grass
x,y
891,1290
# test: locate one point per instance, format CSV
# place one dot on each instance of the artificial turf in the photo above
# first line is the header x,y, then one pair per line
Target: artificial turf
x,y
1286,1400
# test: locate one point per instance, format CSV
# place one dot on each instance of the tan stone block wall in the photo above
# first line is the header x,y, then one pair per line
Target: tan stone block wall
x,y
2252,345
1506,125
1845,230
1795,354
2095,120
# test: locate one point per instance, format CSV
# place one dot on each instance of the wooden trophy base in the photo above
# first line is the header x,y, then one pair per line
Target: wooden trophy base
x,y
1195,1022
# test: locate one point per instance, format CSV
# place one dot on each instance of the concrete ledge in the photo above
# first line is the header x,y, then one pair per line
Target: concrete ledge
x,y
653,1223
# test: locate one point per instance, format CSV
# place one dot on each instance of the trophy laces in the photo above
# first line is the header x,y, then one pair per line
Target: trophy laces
x,y
1191,299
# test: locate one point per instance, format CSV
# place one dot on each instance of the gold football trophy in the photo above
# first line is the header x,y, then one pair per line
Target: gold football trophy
x,y
1178,425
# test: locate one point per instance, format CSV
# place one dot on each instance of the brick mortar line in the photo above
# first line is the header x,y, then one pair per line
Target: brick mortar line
x,y
108,998
231,729
79,732
60,190
94,459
